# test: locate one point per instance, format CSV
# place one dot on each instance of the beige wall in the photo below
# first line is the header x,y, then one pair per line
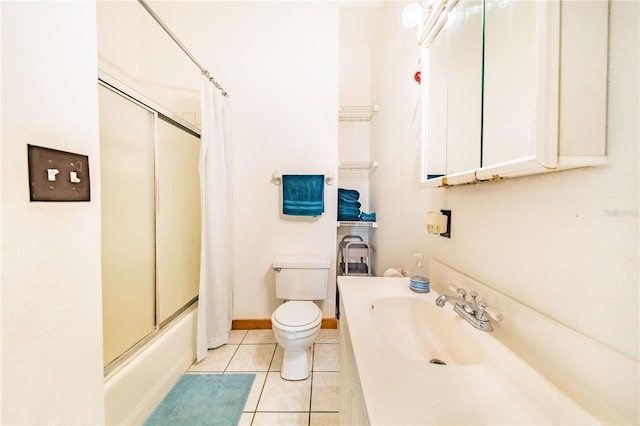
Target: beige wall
x,y
565,244
51,301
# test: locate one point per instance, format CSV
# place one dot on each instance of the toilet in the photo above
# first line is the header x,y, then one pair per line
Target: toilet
x,y
296,323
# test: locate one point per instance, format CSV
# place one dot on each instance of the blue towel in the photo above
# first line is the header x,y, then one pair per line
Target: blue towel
x,y
348,210
368,217
356,204
348,195
303,195
348,217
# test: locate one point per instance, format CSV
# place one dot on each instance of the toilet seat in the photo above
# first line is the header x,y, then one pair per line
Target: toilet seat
x,y
297,316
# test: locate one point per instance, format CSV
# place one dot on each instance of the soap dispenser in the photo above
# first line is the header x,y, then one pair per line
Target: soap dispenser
x,y
419,281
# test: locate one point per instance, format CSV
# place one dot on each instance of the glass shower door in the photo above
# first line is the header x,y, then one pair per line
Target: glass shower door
x,y
128,222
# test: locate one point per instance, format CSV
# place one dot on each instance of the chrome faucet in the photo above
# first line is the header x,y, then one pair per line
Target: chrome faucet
x,y
475,313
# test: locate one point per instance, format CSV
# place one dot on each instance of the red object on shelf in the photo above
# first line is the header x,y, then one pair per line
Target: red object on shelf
x,y
417,76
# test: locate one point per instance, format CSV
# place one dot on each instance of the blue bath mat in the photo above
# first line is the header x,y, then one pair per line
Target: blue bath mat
x,y
204,399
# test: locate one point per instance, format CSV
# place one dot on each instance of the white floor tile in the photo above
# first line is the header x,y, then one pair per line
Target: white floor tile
x,y
259,336
276,365
281,419
324,419
328,335
325,391
236,336
252,358
216,360
273,400
246,419
326,357
285,395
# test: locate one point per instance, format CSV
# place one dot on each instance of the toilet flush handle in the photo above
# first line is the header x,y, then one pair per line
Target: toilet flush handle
x,y
277,269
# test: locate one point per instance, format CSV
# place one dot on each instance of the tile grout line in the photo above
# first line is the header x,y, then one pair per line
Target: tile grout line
x,y
252,414
230,359
264,384
313,358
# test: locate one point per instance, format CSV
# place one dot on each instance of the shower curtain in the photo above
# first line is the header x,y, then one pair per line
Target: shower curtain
x,y
215,295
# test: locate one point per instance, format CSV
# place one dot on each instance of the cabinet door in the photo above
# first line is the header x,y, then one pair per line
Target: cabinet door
x,y
510,79
452,91
178,218
435,98
128,229
464,83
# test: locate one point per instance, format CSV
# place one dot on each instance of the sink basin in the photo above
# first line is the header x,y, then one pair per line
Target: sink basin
x,y
419,330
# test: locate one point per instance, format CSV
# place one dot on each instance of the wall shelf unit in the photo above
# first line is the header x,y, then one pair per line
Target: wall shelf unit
x,y
356,171
356,112
357,165
357,224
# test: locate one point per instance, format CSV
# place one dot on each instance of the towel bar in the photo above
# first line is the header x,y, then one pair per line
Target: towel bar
x,y
276,178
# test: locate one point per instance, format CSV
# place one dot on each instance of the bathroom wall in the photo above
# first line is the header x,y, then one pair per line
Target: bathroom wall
x,y
400,204
279,62
357,26
51,293
565,244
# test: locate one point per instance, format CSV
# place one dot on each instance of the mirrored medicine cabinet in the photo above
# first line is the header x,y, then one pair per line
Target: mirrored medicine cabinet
x,y
512,88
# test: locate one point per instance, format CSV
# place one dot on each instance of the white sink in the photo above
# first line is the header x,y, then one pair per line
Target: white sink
x,y
394,333
419,330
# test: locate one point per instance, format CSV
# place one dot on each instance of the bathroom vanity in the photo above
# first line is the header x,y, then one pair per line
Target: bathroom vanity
x,y
406,360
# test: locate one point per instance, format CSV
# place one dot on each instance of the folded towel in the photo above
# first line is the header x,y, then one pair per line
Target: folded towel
x,y
350,212
349,206
303,195
347,199
368,217
348,217
348,195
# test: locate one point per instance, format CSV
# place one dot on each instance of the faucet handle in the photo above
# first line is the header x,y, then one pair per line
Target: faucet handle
x,y
462,293
484,312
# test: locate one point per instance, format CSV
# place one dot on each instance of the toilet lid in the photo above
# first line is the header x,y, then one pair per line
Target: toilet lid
x,y
297,313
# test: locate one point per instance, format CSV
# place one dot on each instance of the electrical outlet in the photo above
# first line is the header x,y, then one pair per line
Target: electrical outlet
x,y
447,213
57,175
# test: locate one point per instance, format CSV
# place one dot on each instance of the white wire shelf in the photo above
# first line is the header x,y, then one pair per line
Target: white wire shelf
x,y
357,224
357,165
356,112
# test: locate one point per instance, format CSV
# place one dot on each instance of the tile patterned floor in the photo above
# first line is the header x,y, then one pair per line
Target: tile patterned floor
x,y
272,400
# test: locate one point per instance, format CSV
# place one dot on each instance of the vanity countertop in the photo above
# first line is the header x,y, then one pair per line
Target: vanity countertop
x,y
401,390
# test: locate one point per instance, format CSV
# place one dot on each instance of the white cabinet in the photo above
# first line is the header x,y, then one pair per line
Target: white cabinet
x,y
453,91
464,85
353,410
510,63
543,84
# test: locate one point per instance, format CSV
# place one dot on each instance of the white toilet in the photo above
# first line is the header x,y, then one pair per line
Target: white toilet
x,y
296,323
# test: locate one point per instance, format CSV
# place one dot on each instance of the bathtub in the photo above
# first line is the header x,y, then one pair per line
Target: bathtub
x,y
134,390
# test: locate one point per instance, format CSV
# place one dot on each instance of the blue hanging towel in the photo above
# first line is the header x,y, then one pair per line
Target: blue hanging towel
x,y
303,195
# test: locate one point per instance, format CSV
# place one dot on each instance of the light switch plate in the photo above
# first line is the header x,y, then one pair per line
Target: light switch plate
x,y
58,175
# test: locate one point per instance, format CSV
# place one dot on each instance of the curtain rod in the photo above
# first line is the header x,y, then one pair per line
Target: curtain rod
x,y
205,73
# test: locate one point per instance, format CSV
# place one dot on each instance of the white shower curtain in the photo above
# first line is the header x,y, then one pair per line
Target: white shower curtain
x,y
215,297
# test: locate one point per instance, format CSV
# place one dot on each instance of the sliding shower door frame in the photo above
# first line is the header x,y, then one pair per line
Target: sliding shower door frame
x,y
158,113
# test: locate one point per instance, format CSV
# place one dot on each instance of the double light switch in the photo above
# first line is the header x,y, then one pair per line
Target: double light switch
x,y
52,173
58,175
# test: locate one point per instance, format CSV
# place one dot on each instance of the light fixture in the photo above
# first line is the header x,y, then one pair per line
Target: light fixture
x,y
411,15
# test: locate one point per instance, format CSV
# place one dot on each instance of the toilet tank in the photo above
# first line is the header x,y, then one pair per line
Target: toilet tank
x,y
302,278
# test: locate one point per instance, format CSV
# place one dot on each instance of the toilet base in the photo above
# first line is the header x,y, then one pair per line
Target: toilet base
x,y
296,365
